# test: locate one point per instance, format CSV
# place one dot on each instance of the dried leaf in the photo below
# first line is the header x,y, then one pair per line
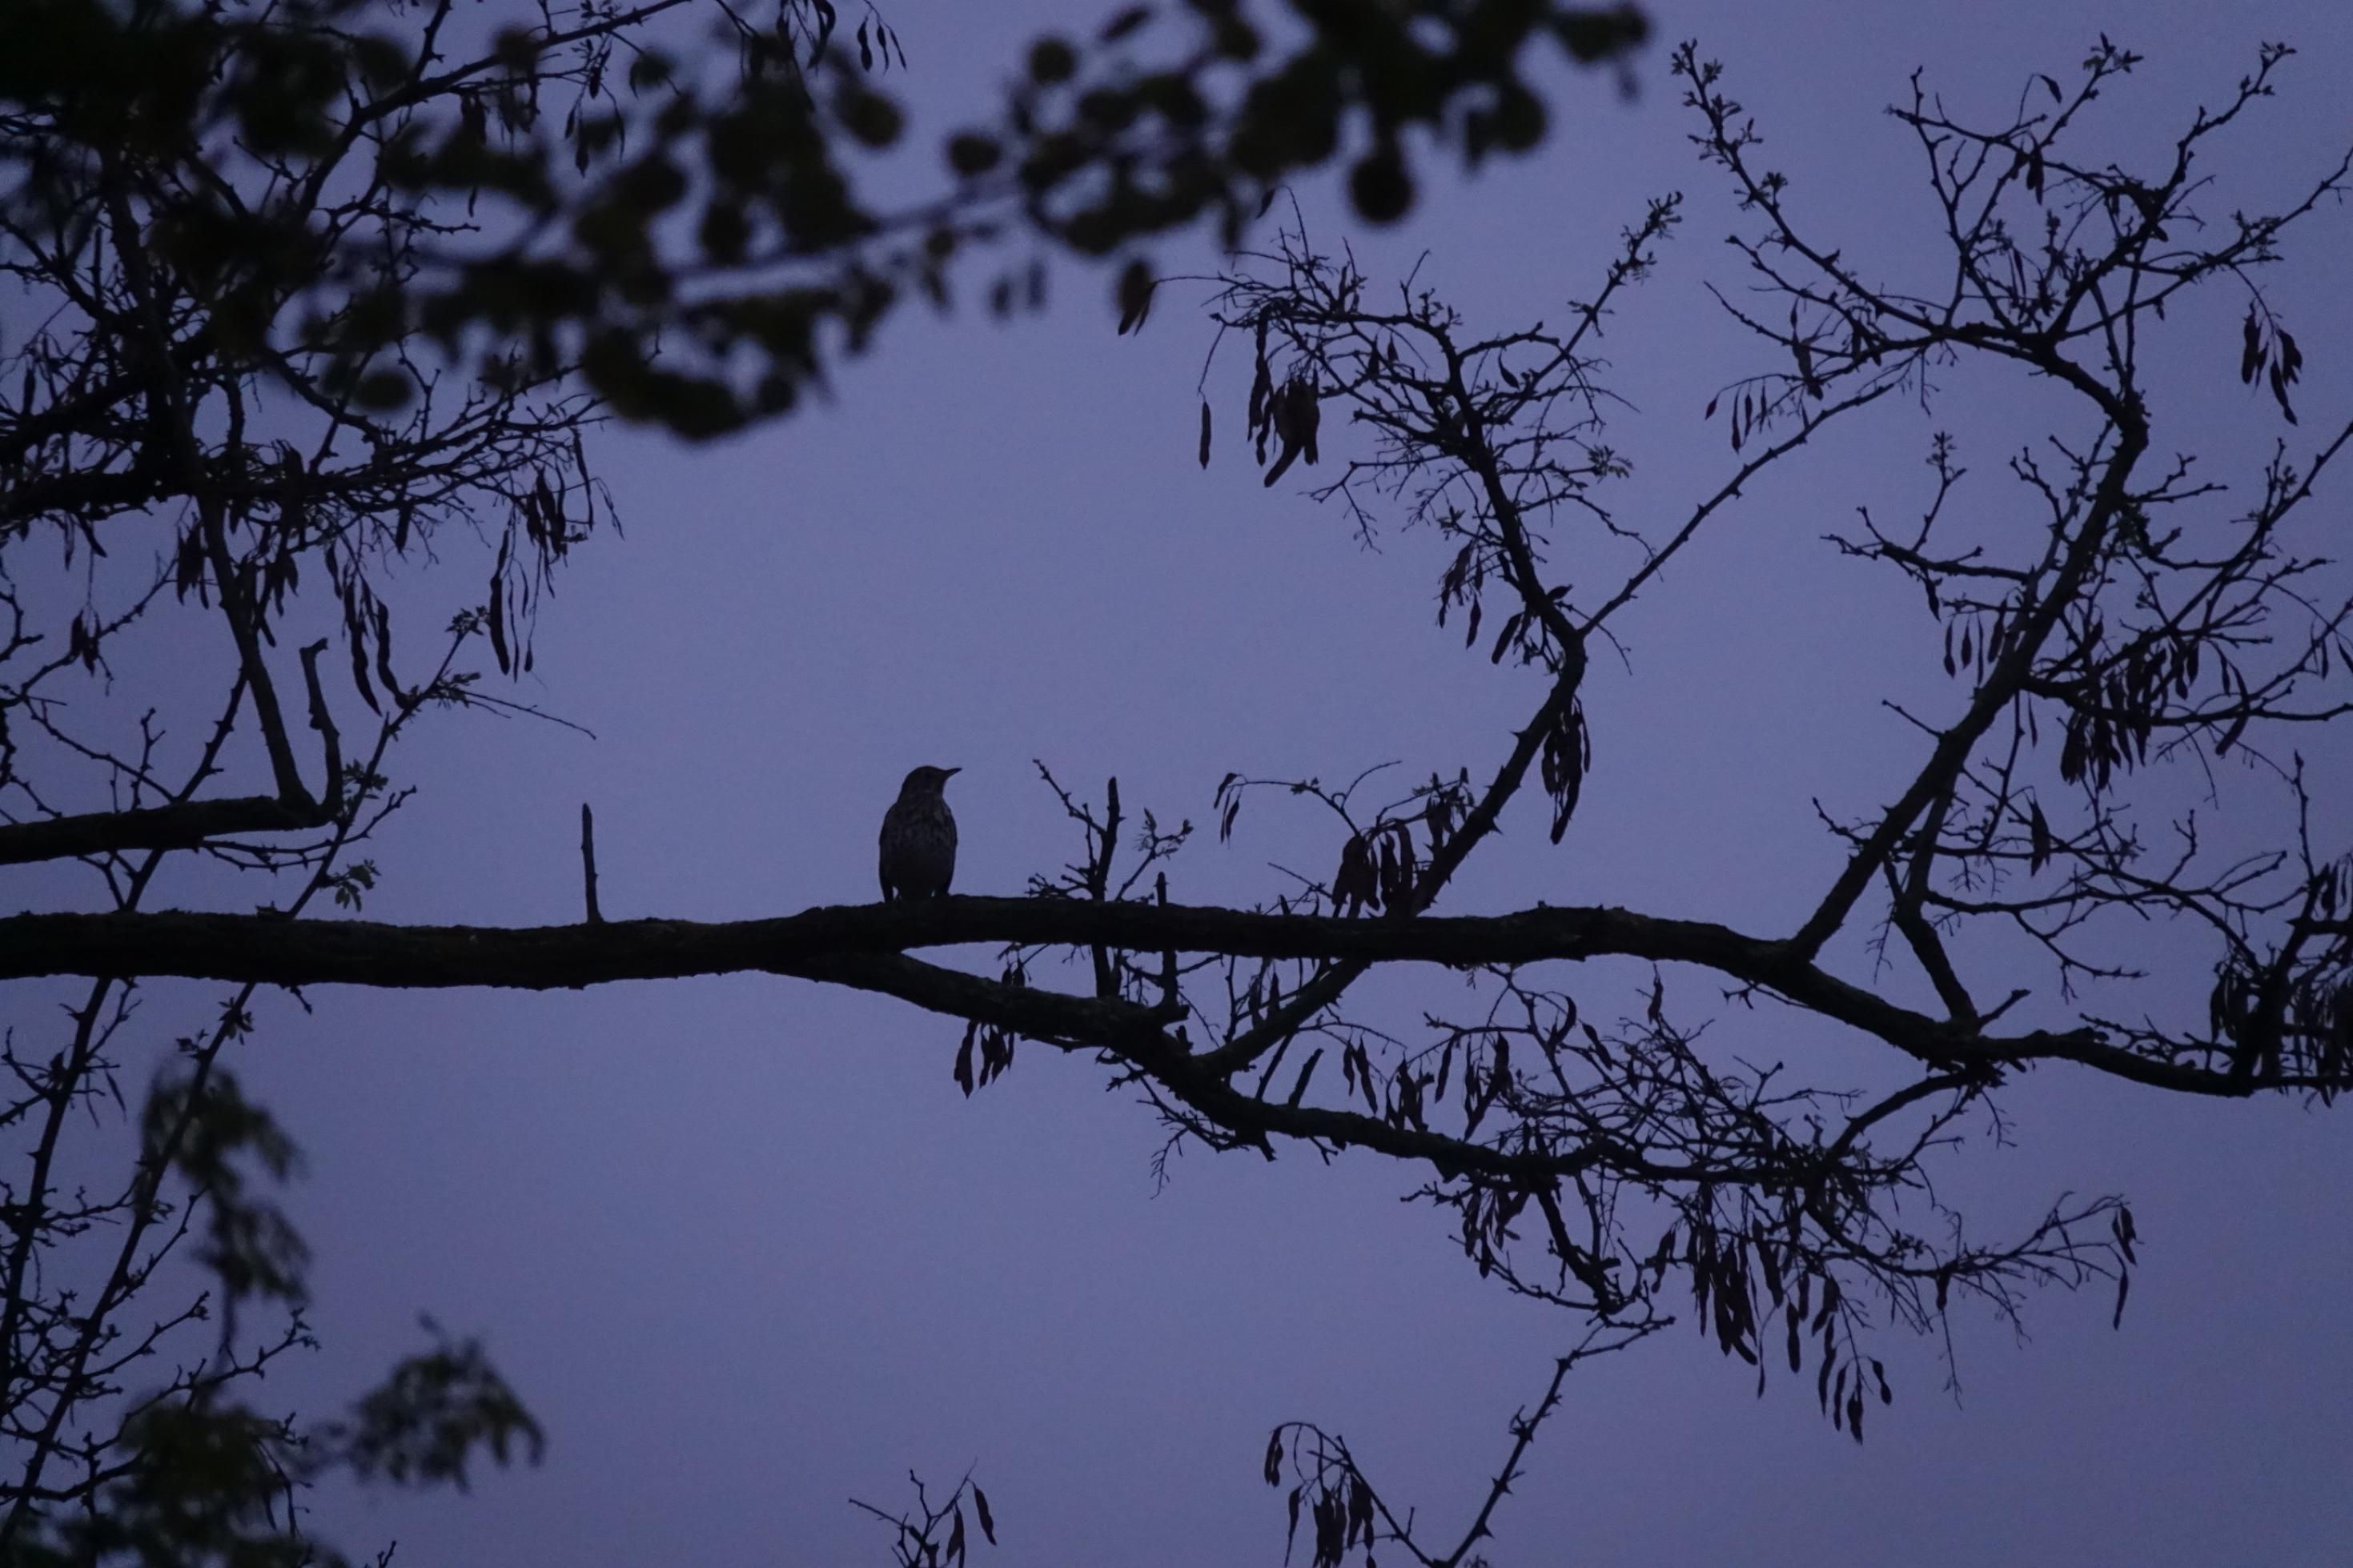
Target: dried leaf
x,y
1134,295
354,641
2279,380
499,622
1307,1070
384,651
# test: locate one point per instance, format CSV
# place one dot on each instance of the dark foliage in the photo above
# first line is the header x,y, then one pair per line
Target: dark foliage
x,y
331,294
323,288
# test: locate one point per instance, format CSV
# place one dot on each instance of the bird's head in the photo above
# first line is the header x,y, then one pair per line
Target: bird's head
x,y
927,781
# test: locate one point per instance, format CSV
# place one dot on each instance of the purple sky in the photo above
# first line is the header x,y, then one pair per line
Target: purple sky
x,y
747,1251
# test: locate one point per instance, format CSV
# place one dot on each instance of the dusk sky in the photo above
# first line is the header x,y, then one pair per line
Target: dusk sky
x,y
746,1250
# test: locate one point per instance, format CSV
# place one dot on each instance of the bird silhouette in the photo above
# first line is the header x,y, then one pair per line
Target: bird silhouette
x,y
919,838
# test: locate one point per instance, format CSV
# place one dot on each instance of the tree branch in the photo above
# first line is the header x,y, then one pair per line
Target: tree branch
x,y
183,824
843,944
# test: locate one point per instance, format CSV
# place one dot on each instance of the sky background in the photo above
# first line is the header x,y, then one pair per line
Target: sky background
x,y
747,1251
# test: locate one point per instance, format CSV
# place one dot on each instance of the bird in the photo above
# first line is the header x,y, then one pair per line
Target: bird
x,y
919,838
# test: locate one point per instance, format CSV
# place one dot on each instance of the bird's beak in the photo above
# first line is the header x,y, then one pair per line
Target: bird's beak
x,y
950,773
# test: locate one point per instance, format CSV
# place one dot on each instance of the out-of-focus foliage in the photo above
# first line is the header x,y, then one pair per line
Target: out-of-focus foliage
x,y
587,184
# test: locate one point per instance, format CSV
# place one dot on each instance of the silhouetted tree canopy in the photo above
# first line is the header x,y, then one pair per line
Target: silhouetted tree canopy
x,y
323,286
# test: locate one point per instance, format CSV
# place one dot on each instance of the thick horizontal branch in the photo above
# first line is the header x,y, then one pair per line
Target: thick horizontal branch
x,y
181,826
275,952
819,944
